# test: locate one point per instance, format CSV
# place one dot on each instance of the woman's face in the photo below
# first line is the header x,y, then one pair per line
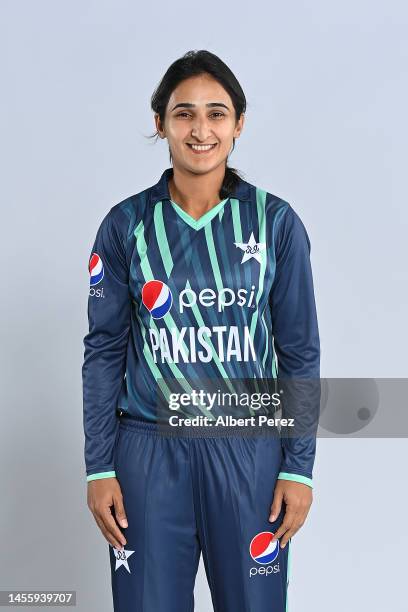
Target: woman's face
x,y
199,111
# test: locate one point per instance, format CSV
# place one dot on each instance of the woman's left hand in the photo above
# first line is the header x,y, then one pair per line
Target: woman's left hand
x,y
298,498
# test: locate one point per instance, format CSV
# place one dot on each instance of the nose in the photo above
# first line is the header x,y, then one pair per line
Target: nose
x,y
201,129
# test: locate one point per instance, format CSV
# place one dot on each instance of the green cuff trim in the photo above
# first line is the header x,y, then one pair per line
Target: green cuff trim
x,y
101,475
295,478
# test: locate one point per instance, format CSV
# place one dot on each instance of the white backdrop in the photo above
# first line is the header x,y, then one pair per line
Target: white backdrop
x,y
325,129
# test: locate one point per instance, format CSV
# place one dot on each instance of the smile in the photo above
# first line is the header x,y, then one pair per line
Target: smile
x,y
201,148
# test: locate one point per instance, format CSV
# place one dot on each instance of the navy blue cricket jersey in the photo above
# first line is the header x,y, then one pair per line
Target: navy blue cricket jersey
x,y
229,295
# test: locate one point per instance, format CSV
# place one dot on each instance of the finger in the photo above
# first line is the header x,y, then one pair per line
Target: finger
x,y
291,532
111,540
111,526
285,540
120,513
286,524
276,505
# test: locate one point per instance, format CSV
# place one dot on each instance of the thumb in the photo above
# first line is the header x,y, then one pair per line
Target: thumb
x,y
120,514
276,504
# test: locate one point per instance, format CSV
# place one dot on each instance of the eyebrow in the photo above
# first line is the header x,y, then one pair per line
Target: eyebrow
x,y
190,105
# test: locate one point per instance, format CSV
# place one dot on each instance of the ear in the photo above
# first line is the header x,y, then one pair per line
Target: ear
x,y
240,126
159,126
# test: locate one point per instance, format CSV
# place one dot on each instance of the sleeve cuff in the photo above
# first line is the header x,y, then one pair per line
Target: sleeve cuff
x,y
295,478
101,475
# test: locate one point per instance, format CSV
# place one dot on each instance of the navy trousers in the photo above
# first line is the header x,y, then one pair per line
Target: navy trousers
x,y
191,494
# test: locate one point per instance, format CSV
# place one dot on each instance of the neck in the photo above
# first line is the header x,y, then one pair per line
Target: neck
x,y
196,193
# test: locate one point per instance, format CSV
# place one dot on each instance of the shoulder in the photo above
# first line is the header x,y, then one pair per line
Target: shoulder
x,y
275,205
125,215
261,196
282,220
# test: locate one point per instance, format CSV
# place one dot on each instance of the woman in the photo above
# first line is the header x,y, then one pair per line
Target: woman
x,y
199,277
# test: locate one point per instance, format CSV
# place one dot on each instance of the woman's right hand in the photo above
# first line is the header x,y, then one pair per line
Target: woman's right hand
x,y
103,494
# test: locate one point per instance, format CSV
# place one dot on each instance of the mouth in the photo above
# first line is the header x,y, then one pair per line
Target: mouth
x,y
201,149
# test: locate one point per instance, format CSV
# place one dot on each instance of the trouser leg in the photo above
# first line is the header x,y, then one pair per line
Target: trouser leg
x,y
157,569
234,483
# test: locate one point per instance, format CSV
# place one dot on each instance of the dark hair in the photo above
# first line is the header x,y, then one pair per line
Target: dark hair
x,y
194,63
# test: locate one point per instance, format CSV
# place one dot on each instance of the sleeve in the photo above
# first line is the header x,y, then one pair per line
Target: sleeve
x,y
104,364
297,345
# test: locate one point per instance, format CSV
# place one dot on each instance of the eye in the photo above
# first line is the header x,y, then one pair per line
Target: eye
x,y
184,114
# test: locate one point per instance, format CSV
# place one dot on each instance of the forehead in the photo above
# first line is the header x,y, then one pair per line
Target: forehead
x,y
199,90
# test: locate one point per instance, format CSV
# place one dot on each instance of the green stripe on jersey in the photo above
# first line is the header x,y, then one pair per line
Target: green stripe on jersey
x,y
162,241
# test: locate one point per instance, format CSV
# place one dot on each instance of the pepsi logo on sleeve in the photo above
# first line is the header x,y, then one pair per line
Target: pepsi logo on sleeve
x,y
96,269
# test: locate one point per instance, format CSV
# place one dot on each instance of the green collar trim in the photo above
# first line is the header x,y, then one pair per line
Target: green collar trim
x,y
204,219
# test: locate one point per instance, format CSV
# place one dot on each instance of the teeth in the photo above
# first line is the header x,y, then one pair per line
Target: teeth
x,y
202,147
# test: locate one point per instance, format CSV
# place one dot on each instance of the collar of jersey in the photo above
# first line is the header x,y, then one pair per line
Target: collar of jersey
x,y
160,191
201,221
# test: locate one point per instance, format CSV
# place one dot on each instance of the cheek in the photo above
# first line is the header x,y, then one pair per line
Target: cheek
x,y
178,129
226,143
226,133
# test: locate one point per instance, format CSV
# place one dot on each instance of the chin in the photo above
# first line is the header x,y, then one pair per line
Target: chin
x,y
198,168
